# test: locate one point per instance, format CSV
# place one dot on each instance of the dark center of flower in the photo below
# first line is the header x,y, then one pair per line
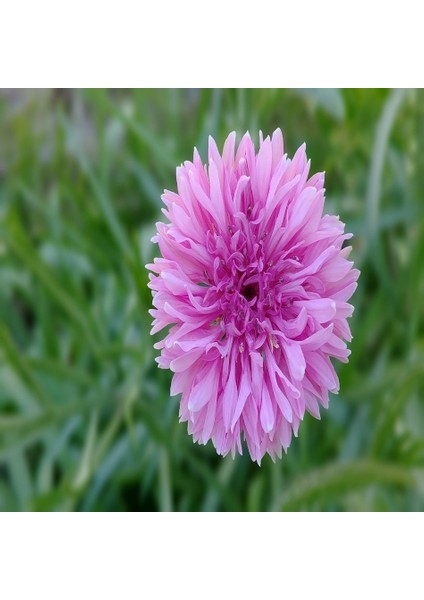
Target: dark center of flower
x,y
250,291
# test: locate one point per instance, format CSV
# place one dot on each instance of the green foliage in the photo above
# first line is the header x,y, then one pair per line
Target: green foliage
x,y
86,421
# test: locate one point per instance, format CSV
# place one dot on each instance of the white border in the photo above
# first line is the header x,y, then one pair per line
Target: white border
x,y
331,556
212,44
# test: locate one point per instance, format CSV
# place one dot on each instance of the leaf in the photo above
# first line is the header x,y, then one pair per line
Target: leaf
x,y
217,482
20,366
20,246
63,371
384,128
20,478
165,483
335,479
86,464
329,99
55,446
106,206
22,430
147,182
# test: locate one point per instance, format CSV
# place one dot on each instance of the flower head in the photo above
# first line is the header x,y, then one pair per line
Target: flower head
x,y
254,283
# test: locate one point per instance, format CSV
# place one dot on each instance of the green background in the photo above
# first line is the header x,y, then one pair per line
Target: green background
x,y
86,421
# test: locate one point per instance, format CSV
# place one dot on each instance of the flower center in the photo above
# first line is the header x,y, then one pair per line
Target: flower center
x,y
250,291
243,286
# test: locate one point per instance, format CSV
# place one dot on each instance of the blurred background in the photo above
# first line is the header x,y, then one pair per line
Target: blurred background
x,y
86,420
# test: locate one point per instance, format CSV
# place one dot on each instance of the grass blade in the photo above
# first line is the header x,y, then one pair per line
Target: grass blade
x,y
21,367
384,128
335,479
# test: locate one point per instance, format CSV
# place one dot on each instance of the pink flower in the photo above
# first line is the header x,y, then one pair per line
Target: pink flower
x,y
254,283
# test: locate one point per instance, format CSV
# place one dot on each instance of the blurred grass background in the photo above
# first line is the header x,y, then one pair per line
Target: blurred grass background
x,y
86,421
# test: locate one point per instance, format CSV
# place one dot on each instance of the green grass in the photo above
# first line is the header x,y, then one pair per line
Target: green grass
x,y
86,421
